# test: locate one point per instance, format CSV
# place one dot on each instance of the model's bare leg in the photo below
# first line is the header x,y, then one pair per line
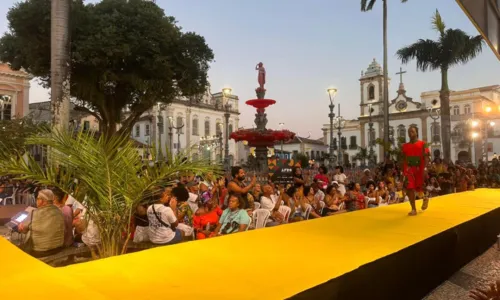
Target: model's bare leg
x,y
411,197
425,202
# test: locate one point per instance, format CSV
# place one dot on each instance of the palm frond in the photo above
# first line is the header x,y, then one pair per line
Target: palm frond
x,y
367,5
425,52
438,23
461,46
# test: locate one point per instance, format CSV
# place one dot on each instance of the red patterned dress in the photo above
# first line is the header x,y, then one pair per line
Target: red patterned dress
x,y
414,164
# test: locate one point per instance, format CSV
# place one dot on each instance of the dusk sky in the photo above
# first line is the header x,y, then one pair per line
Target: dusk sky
x,y
308,46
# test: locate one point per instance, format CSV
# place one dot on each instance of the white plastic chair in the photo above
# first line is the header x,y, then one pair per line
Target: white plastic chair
x,y
308,211
256,205
322,205
285,211
260,216
12,198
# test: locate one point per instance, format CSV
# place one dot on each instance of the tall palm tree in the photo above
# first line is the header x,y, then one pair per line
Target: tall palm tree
x,y
367,5
59,63
452,48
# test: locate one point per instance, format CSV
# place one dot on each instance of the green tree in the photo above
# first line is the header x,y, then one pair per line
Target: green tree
x,y
367,5
453,47
112,179
15,132
125,56
302,159
362,155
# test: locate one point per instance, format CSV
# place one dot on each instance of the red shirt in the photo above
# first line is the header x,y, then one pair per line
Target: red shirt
x,y
322,177
200,221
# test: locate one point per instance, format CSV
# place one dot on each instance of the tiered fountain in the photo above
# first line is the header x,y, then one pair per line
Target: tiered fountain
x,y
260,137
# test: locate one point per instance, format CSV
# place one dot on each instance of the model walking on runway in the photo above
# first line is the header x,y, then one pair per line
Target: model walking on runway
x,y
415,155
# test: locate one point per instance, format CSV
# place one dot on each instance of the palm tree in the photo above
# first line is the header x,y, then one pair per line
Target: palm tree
x,y
59,63
362,155
111,178
367,5
452,48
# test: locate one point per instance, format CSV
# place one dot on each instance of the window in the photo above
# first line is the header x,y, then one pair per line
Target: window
x,y
402,133
207,127
230,129
353,143
467,109
86,125
195,126
312,155
147,130
456,110
343,142
180,124
160,124
218,128
371,92
137,130
5,107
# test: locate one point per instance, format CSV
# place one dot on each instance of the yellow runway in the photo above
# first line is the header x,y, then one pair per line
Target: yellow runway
x,y
270,263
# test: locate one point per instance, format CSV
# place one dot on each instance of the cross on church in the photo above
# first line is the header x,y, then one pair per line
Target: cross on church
x,y
400,73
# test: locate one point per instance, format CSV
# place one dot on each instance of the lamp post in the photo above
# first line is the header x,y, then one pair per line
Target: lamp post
x,y
281,128
179,131
331,93
371,153
221,145
159,121
226,92
339,125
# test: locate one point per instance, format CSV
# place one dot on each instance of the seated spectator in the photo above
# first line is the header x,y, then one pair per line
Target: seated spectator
x,y
310,199
194,196
433,187
206,218
67,212
257,192
163,222
298,202
333,199
183,209
382,194
234,218
322,177
46,228
393,197
141,224
272,202
355,200
371,194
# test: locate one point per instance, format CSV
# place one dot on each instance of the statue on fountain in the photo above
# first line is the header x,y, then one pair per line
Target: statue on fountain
x,y
261,79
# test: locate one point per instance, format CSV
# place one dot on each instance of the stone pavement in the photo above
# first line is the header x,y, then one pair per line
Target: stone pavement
x,y
478,273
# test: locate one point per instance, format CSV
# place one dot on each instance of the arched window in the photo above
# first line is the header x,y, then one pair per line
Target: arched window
x,y
467,109
207,127
195,126
371,92
402,133
456,110
218,127
5,107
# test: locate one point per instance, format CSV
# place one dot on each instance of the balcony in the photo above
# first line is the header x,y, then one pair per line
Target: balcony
x,y
353,147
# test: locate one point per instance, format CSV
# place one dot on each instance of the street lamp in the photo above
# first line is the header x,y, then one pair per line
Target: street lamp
x,y
226,92
179,131
221,145
339,124
159,121
281,128
331,94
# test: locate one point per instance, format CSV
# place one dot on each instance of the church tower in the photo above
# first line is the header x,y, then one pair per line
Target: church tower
x,y
372,89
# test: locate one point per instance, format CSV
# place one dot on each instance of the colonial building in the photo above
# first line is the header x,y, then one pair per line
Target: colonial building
x,y
468,108
197,124
14,93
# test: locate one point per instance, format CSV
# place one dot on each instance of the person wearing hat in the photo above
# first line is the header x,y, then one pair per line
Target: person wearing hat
x,y
46,227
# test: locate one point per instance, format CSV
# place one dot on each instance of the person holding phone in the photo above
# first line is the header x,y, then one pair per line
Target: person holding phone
x,y
237,186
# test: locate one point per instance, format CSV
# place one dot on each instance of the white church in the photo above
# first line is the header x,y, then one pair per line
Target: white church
x,y
469,121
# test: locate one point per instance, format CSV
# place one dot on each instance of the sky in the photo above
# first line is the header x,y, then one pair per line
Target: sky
x,y
309,46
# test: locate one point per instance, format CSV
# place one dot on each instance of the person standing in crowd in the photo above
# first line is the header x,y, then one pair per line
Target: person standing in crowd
x,y
415,154
321,178
298,179
237,185
341,179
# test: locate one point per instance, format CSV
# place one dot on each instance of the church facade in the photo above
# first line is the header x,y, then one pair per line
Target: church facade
x,y
468,115
14,93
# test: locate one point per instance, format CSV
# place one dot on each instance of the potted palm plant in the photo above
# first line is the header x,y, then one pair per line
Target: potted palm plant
x,y
111,178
